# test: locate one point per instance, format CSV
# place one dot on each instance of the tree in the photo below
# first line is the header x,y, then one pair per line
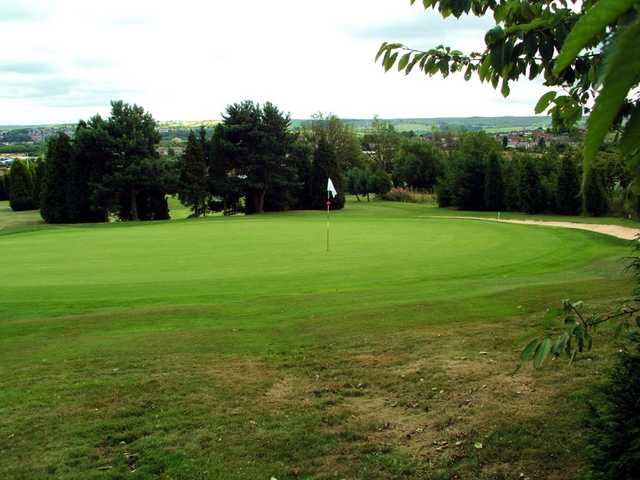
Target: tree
x,y
531,191
384,141
325,166
568,188
21,195
58,162
4,187
380,182
524,41
135,135
595,198
193,188
224,187
342,137
494,184
417,164
38,179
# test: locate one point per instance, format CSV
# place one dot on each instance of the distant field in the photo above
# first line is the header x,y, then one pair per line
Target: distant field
x,y
238,348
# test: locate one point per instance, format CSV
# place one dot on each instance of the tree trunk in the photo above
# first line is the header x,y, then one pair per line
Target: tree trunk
x,y
258,201
134,205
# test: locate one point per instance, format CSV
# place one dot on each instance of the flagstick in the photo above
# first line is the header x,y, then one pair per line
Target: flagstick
x,y
328,209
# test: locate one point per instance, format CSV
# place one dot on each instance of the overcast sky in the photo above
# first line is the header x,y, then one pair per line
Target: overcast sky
x,y
62,60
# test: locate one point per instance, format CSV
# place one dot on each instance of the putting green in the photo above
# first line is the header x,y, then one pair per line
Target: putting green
x,y
160,304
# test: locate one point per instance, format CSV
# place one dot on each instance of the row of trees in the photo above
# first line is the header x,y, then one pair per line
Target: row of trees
x,y
110,167
477,176
254,163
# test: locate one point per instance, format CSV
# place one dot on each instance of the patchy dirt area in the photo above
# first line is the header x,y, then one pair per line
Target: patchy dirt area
x,y
625,233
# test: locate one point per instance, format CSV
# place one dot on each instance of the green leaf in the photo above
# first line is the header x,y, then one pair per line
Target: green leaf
x,y
383,48
505,90
590,24
484,68
389,61
529,351
630,140
542,353
544,102
404,61
622,72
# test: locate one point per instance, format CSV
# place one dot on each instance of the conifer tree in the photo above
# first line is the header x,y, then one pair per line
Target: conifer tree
x,y
531,191
494,184
193,188
595,198
53,206
568,188
21,195
38,177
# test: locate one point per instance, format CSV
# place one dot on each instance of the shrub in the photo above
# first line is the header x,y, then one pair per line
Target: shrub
x,y
614,421
21,194
399,194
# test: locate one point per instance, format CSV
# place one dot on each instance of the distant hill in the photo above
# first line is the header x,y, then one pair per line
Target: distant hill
x,y
180,129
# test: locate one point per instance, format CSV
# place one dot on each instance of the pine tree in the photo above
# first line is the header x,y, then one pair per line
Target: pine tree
x,y
38,178
193,188
531,191
595,199
21,195
568,188
53,206
4,187
494,184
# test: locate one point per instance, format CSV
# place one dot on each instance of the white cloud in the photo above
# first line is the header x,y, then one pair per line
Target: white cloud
x,y
188,60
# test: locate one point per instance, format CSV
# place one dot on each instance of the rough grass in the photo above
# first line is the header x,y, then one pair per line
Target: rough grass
x,y
238,348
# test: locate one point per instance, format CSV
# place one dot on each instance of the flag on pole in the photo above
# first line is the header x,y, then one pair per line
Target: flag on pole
x,y
331,190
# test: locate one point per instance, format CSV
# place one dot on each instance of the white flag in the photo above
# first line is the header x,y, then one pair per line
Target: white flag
x,y
331,190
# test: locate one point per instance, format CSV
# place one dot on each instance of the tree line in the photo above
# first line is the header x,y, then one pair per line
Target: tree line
x,y
478,173
253,162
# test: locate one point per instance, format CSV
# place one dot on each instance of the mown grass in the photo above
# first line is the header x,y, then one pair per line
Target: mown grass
x,y
238,348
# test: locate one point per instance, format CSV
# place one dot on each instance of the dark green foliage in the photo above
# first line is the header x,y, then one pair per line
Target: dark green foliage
x,y
37,175
134,134
54,190
109,167
193,187
532,197
381,182
21,194
4,187
417,164
511,176
325,166
468,193
595,198
494,184
613,423
568,187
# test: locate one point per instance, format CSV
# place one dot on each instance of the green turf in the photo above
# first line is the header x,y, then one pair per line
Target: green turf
x,y
160,349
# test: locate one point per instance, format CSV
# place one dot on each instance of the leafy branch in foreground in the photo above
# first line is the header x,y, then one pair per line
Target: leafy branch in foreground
x,y
585,51
578,325
579,328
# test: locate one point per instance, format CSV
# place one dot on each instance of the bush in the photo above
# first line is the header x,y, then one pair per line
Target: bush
x,y
614,421
21,194
399,194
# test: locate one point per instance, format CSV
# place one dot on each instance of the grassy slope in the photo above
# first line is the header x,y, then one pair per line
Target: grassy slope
x,y
238,348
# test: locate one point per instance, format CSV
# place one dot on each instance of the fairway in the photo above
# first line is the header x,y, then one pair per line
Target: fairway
x,y
239,348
